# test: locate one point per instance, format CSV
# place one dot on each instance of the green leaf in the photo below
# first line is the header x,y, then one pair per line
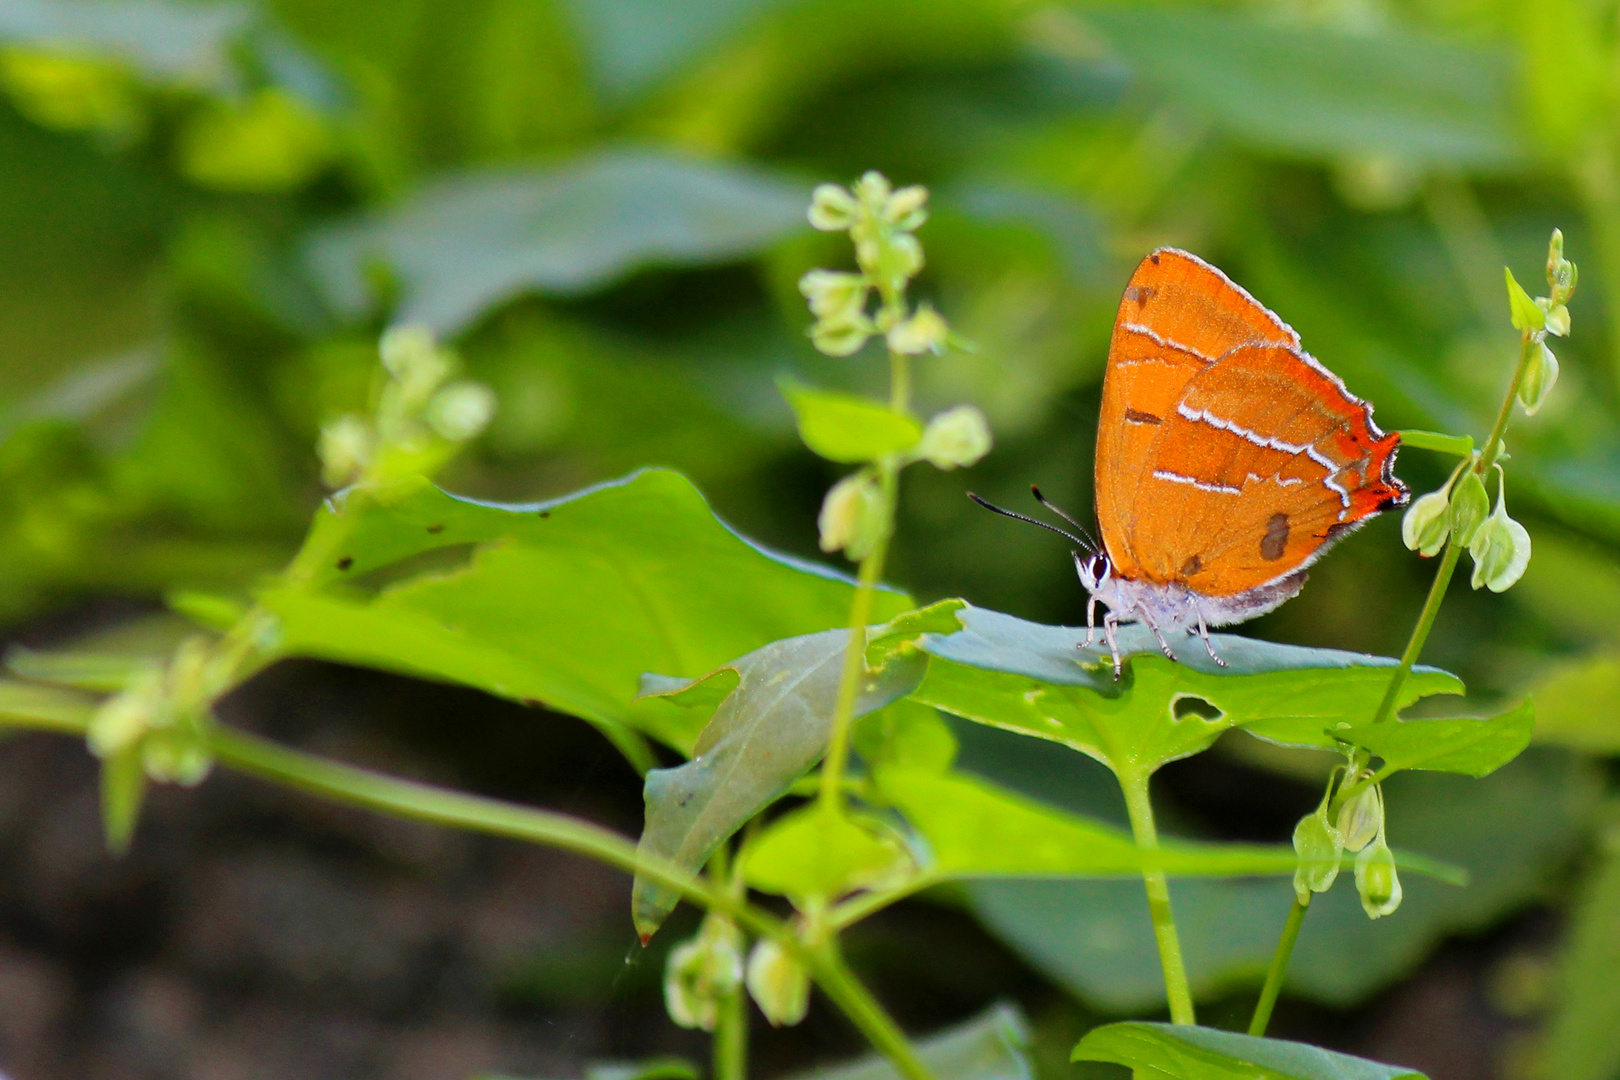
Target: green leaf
x,y
991,1046
469,244
815,852
906,733
1473,747
1525,314
188,45
1038,681
903,630
1154,1051
1324,93
764,735
1458,445
846,428
565,603
50,708
102,672
1512,832
975,829
1577,1040
123,790
1578,705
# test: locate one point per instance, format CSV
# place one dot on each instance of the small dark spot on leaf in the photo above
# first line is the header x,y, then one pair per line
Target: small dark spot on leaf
x,y
534,703
545,513
1192,566
683,800
1275,541
435,528
345,562
1195,707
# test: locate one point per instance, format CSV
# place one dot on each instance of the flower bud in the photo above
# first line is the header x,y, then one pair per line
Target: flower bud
x,y
778,984
841,337
873,189
345,449
1561,273
1361,817
832,208
1469,506
923,332
461,410
1501,548
1540,375
833,295
125,718
1558,320
905,257
852,518
1377,881
904,210
1426,525
703,971
1317,843
956,437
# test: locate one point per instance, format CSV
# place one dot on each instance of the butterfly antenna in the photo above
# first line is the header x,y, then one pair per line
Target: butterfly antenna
x,y
1035,491
1025,517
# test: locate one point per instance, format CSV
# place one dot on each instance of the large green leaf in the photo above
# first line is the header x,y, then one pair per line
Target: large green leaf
x,y
1462,745
1185,1052
848,428
1510,831
170,43
771,726
564,602
468,244
1320,92
991,1046
1038,680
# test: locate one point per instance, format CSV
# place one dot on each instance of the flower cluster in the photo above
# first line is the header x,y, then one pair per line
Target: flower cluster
x,y
421,417
1461,512
1321,838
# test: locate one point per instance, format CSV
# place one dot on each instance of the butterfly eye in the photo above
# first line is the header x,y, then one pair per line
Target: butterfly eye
x,y
1093,569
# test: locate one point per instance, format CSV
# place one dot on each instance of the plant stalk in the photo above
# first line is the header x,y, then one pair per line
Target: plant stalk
x,y
1279,966
1140,807
730,1043
840,984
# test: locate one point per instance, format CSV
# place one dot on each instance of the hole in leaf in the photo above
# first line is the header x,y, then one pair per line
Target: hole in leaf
x,y
1192,706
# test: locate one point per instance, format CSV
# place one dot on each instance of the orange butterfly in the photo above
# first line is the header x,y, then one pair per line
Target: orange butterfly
x,y
1228,458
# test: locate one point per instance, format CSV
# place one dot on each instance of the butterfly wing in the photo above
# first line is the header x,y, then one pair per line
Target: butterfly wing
x,y
1179,316
1264,460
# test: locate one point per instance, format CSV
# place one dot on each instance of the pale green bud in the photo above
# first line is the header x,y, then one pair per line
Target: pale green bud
x,y
1317,843
1470,505
1558,320
1361,817
176,757
1426,525
1540,375
1561,273
905,256
1501,548
833,295
956,437
126,717
852,518
778,984
461,410
873,189
1377,881
923,332
904,210
841,337
832,208
703,971
345,449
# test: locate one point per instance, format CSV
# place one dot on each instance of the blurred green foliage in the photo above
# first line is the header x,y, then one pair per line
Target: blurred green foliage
x,y
208,213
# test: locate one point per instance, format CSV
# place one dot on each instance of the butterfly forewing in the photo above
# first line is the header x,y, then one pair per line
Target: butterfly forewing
x,y
1178,316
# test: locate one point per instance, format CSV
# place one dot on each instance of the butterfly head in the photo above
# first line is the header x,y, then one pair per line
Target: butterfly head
x,y
1095,569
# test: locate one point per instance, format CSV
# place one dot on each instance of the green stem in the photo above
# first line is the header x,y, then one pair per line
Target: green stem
x,y
1279,966
730,1049
849,682
857,1002
1420,635
1140,807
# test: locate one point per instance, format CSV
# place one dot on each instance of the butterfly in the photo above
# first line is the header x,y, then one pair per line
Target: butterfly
x,y
1228,459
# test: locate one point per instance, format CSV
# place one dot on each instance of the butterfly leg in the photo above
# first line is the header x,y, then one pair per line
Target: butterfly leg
x,y
1164,646
1209,646
1111,635
1091,621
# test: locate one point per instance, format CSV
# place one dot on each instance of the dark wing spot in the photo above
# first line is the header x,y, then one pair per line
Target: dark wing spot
x,y
1337,528
435,528
1137,416
1154,259
345,562
1276,538
1192,566
1141,294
